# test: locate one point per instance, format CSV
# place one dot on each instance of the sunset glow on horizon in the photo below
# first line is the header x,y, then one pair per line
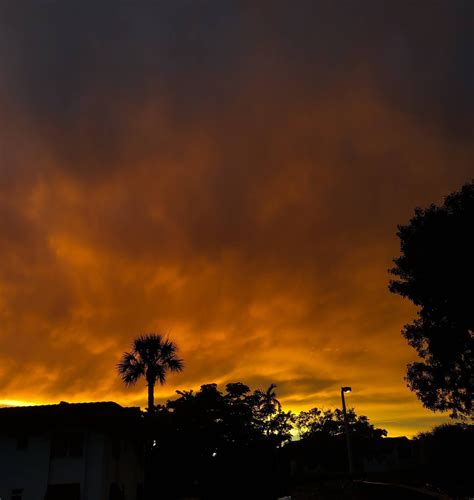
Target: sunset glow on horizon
x,y
228,175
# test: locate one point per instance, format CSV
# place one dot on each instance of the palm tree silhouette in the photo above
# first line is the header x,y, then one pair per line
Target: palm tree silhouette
x,y
152,357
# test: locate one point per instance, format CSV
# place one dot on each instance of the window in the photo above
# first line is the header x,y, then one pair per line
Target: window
x,y
22,442
116,448
63,491
17,494
75,444
67,444
116,492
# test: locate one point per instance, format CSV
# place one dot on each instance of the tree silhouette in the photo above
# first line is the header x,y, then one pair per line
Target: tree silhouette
x,y
205,440
331,423
436,272
152,357
269,418
446,457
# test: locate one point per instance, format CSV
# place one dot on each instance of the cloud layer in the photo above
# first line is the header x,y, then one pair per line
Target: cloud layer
x,y
230,175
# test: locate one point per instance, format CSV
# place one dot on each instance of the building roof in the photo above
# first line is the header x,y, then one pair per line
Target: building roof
x,y
105,415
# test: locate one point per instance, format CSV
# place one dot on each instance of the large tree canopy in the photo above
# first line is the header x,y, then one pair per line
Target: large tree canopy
x,y
436,272
207,442
331,423
237,418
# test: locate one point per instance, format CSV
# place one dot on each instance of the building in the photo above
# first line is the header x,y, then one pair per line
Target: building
x,y
84,451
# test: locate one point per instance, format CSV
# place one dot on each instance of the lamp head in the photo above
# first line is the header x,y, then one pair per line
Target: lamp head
x,y
346,389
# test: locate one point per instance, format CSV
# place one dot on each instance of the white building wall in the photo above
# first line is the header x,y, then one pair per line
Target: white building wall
x,y
125,469
94,480
130,470
32,469
87,470
26,469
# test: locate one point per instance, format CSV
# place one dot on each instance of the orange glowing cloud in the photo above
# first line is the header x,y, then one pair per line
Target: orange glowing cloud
x,y
255,224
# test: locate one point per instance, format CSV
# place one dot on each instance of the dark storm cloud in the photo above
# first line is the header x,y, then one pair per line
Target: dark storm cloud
x,y
80,66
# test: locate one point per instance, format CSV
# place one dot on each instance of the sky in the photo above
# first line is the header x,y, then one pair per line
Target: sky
x,y
230,174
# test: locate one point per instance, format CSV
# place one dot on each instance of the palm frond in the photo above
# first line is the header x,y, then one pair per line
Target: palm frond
x,y
161,374
175,364
130,368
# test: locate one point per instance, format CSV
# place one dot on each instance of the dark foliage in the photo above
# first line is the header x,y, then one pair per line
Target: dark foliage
x,y
436,272
316,422
322,448
446,457
217,445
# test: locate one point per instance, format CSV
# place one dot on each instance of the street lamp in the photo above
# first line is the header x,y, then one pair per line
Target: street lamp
x,y
346,427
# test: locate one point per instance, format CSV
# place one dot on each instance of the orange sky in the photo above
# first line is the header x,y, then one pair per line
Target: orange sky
x,y
233,179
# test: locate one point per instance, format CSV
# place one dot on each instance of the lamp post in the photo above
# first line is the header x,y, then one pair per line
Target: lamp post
x,y
346,427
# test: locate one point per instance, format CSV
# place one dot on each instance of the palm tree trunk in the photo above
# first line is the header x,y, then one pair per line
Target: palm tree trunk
x,y
151,396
